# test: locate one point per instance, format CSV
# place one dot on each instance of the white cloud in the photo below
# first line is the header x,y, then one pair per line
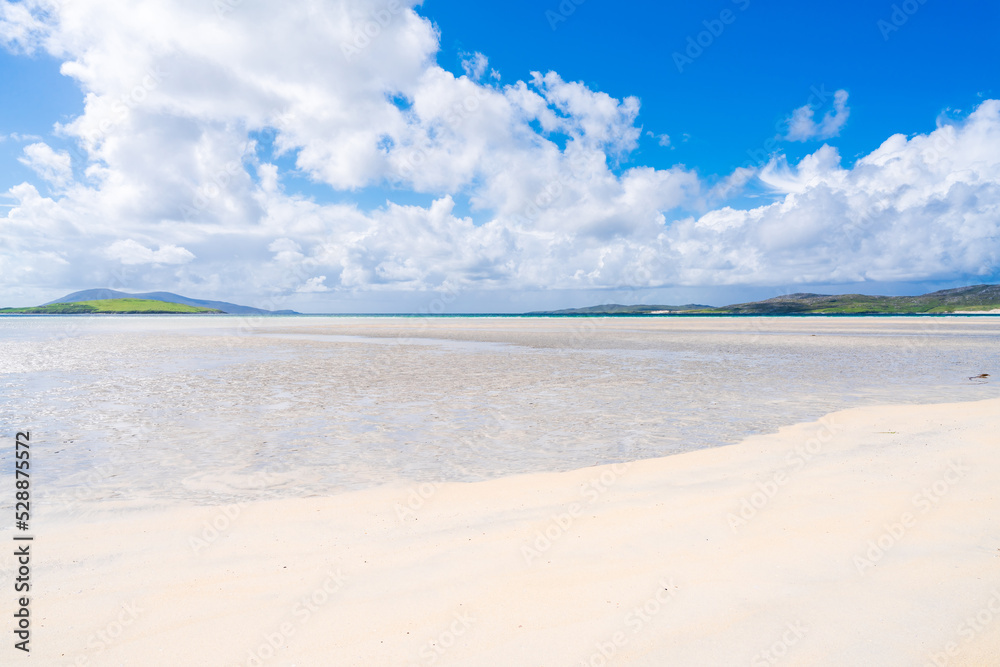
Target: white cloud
x,y
23,28
802,127
54,167
732,184
17,136
313,285
661,139
475,65
914,209
174,95
131,252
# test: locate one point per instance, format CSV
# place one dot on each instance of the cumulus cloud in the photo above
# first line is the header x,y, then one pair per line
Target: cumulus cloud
x,y
131,252
803,127
55,167
183,132
314,284
914,209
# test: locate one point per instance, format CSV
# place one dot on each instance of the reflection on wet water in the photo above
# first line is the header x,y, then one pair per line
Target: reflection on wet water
x,y
210,410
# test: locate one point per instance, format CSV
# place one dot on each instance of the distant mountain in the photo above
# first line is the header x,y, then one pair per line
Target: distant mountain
x,y
112,307
104,294
977,298
974,298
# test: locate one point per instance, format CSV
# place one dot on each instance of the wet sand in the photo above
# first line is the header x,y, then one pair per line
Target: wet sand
x,y
218,410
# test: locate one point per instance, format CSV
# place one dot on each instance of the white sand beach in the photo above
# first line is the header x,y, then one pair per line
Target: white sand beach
x,y
870,537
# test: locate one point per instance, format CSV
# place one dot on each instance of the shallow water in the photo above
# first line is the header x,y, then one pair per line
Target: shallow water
x,y
217,409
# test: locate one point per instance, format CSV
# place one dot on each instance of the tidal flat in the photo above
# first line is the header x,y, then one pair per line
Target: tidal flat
x,y
222,409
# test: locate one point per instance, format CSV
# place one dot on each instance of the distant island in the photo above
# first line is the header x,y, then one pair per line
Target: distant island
x,y
110,306
974,299
108,301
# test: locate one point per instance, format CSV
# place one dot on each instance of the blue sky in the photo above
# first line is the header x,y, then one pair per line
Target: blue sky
x,y
764,63
365,190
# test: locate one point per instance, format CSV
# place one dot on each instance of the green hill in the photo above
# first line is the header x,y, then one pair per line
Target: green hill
x,y
103,294
111,306
977,298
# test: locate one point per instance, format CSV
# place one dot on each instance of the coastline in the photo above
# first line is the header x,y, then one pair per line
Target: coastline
x,y
867,537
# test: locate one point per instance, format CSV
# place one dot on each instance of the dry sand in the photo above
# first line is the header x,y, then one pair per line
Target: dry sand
x,y
875,540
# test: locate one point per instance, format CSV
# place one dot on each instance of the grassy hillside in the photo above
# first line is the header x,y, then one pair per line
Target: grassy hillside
x,y
977,297
103,294
108,306
974,298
